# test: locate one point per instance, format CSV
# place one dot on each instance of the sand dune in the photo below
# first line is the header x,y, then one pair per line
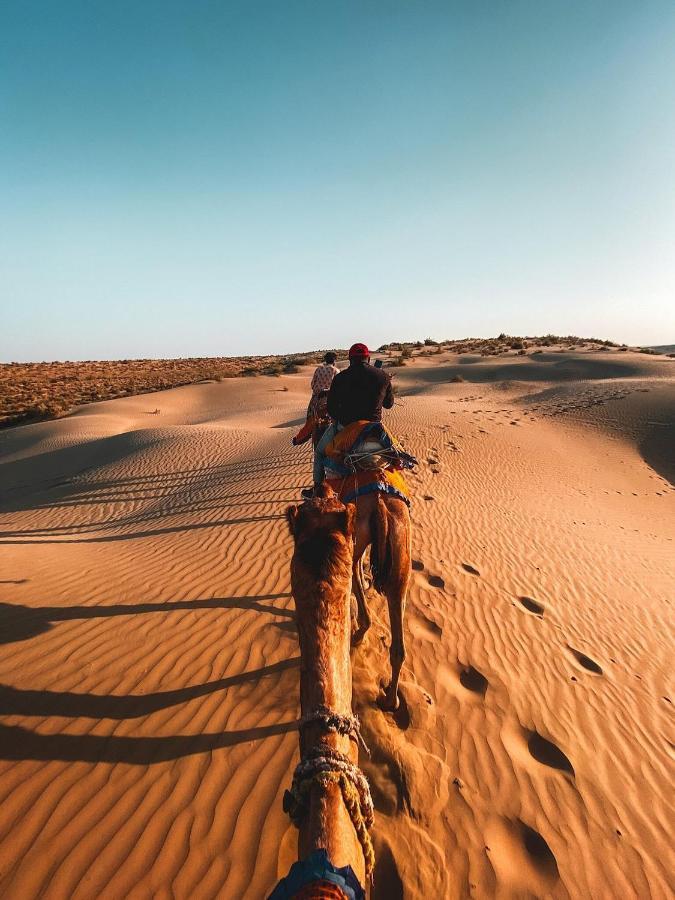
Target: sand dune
x,y
148,655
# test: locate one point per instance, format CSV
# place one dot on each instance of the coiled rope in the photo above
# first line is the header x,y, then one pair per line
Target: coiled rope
x,y
324,766
334,721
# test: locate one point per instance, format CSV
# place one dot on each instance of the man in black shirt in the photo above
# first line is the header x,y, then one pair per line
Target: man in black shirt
x,y
358,392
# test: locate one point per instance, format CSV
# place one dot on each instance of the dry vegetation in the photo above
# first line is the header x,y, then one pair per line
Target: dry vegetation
x,y
34,391
504,343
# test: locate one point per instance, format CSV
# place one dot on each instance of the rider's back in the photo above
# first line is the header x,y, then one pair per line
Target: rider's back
x,y
360,392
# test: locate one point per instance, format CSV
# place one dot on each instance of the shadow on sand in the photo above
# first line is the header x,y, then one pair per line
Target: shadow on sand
x,y
544,367
656,448
18,623
19,702
18,743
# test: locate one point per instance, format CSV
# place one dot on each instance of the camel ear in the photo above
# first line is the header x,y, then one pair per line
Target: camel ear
x,y
291,516
349,517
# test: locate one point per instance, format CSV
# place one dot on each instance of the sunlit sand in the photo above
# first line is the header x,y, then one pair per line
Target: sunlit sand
x,y
149,658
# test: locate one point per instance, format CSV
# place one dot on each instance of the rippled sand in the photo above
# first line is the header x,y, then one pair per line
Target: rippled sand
x,y
149,661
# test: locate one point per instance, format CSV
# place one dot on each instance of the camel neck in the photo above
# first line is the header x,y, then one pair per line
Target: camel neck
x,y
323,619
325,677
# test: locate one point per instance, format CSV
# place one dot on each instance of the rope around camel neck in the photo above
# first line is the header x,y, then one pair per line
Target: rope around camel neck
x,y
334,721
322,765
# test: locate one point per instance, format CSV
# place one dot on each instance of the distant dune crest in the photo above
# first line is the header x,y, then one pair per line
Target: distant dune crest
x,y
31,392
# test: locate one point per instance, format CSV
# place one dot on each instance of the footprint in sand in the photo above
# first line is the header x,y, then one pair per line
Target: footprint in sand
x,y
532,606
548,754
585,662
473,680
418,565
464,681
530,749
522,860
428,497
436,581
470,569
424,627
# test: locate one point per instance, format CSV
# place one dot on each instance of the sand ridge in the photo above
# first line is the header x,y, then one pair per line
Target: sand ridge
x,y
148,664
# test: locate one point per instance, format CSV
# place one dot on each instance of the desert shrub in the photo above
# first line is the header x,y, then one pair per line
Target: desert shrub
x,y
397,362
457,379
517,345
522,352
406,353
535,352
430,342
249,370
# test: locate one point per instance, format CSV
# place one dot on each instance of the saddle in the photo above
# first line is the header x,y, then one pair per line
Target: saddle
x,y
364,458
364,446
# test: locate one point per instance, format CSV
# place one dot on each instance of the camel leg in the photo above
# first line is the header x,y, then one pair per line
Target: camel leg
x,y
363,616
396,597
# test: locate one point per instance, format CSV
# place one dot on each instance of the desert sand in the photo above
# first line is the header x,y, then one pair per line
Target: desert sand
x,y
149,657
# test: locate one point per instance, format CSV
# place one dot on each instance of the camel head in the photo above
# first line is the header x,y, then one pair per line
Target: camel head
x,y
323,531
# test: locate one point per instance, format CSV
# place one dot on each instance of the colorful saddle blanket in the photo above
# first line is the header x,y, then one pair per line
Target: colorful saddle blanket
x,y
362,458
357,484
355,443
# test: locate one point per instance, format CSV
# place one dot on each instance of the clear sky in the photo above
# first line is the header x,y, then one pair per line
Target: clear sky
x,y
213,178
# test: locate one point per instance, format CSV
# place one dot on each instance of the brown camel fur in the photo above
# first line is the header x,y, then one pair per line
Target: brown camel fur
x,y
321,578
383,523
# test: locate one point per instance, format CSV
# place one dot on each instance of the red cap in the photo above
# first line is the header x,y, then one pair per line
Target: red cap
x,y
359,351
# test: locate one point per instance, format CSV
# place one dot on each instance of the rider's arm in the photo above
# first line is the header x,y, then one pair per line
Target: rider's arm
x,y
388,401
333,401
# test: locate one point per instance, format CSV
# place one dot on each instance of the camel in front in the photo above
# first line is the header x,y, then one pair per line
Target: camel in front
x,y
383,523
329,798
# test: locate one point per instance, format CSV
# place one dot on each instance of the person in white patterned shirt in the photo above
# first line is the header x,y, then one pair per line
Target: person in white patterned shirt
x,y
321,382
324,374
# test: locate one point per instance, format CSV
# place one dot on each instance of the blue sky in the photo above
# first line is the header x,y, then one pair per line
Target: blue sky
x,y
213,178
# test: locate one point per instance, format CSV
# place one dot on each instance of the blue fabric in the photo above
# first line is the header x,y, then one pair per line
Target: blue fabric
x,y
317,867
320,456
